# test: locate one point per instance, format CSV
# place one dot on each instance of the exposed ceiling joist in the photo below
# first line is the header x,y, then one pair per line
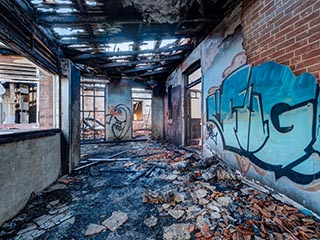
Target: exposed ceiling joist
x,y
147,74
125,53
133,63
142,69
80,18
104,38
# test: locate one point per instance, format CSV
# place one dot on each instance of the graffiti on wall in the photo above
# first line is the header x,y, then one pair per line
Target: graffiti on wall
x,y
271,117
120,118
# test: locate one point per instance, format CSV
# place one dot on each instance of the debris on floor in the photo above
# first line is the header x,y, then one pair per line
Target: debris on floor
x,y
94,229
115,221
159,192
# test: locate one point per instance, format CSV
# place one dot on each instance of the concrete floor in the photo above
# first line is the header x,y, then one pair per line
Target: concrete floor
x,y
156,191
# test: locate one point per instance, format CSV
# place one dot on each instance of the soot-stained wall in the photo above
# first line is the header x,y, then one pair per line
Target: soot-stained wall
x,y
174,108
261,98
119,111
29,163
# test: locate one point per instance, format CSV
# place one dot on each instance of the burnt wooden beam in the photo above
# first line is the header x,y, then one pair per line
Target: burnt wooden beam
x,y
83,9
81,5
158,44
125,34
105,38
54,6
60,19
141,69
6,51
124,53
132,63
147,74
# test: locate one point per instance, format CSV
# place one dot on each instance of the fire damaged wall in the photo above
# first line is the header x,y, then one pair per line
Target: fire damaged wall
x,y
119,111
173,108
261,115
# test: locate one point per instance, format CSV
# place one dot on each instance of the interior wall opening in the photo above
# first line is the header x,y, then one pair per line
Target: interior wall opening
x,y
93,110
142,112
29,95
193,106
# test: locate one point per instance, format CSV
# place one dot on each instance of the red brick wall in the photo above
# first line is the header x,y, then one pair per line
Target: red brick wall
x,y
46,100
286,31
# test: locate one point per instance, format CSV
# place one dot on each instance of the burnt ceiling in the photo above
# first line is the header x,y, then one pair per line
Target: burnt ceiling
x,y
141,39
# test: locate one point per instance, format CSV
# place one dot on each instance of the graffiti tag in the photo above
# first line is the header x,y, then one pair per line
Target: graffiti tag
x,y
270,116
119,117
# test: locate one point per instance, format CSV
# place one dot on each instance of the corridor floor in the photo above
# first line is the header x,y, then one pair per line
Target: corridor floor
x,y
149,190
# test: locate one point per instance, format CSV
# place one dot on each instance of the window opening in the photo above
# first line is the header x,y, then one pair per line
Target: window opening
x,y
27,95
92,111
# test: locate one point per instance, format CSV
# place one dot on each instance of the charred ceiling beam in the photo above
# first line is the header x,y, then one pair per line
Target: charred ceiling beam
x,y
60,19
125,53
81,6
83,9
142,69
104,38
6,51
54,6
158,44
133,63
162,71
25,37
76,18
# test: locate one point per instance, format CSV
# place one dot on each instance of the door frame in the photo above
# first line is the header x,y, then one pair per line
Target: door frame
x,y
187,103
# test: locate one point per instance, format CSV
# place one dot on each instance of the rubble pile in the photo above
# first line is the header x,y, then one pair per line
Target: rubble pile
x,y
218,205
157,191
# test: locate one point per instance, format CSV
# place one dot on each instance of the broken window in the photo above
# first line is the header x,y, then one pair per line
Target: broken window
x,y
194,76
27,95
19,94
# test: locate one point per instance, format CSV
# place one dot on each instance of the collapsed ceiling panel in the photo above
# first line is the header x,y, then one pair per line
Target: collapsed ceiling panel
x,y
141,39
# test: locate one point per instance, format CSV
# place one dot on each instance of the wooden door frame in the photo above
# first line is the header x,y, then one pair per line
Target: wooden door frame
x,y
187,105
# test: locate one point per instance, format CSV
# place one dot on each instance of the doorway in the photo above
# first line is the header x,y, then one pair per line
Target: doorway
x,y
142,112
193,106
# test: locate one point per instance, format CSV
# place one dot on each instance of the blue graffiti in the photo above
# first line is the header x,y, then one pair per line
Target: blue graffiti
x,y
270,116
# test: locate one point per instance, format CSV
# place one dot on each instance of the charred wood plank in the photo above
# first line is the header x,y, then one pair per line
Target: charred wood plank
x,y
6,51
96,162
124,53
132,63
141,69
74,18
109,159
163,71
